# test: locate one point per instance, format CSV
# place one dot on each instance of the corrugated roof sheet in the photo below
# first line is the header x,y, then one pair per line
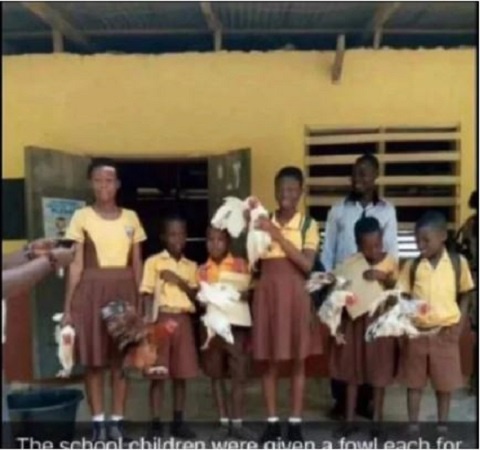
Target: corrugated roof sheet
x,y
245,25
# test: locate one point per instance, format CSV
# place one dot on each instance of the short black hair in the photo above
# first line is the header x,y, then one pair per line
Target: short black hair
x,y
290,172
369,158
366,225
210,227
432,219
473,201
101,162
170,217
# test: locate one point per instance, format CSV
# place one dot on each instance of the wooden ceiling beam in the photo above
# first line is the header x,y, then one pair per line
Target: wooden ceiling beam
x,y
19,35
337,67
383,14
214,24
54,19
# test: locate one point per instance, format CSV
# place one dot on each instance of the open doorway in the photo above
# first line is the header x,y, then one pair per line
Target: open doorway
x,y
154,188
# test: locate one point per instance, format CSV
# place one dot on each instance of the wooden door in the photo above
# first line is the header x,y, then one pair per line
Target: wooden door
x,y
49,174
229,174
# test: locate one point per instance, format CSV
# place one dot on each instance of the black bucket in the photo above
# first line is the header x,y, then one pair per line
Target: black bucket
x,y
43,415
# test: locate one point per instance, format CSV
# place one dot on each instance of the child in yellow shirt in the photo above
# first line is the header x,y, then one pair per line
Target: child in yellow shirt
x,y
169,287
441,279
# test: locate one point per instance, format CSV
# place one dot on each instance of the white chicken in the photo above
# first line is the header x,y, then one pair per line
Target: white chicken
x,y
217,296
231,217
333,298
65,339
258,241
398,318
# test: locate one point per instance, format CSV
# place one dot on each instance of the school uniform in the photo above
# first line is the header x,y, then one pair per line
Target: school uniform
x,y
177,353
435,357
107,276
222,359
284,326
357,362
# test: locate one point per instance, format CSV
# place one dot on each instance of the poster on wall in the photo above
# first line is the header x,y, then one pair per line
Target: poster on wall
x,y
57,213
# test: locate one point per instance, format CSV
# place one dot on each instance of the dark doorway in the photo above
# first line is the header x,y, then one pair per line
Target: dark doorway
x,y
156,188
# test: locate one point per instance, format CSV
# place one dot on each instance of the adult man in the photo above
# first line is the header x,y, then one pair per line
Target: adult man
x,y
21,271
339,242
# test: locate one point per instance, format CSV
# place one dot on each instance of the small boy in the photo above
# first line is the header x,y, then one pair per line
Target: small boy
x,y
169,287
437,279
352,360
221,359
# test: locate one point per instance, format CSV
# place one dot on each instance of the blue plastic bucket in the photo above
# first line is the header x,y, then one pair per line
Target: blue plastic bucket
x,y
45,415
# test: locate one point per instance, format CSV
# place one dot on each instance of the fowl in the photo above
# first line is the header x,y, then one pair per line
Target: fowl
x,y
398,318
334,297
231,216
330,312
65,340
216,296
144,356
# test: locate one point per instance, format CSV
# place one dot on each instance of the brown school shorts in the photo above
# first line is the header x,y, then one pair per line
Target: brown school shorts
x,y
435,358
177,353
224,360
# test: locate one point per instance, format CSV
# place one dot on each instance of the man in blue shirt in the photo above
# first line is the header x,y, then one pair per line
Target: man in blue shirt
x,y
339,242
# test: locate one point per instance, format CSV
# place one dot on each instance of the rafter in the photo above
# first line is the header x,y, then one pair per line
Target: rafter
x,y
214,24
339,57
57,22
383,14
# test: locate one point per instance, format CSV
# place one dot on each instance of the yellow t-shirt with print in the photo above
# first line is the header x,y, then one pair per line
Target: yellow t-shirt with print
x,y
437,286
168,296
293,232
113,239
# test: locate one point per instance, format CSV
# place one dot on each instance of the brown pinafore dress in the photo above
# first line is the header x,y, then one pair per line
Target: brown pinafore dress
x,y
99,286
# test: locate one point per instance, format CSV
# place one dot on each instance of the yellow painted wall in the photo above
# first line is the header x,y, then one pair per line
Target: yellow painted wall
x,y
199,103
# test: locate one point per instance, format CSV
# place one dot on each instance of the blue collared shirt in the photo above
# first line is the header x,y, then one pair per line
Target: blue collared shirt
x,y
339,241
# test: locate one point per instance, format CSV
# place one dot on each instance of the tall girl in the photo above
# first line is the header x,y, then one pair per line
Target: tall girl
x,y
107,267
283,320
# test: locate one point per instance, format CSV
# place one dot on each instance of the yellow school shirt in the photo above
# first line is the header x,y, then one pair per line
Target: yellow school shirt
x,y
168,296
437,286
366,291
113,239
293,232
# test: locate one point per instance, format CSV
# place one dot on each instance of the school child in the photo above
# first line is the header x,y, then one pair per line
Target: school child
x,y
221,359
169,288
107,266
284,327
442,279
352,360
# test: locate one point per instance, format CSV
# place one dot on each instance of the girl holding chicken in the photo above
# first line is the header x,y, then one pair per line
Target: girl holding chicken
x,y
284,329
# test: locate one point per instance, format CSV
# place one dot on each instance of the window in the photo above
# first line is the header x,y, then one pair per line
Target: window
x,y
419,169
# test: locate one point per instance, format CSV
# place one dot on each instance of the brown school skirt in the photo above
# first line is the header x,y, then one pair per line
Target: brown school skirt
x,y
223,360
435,357
98,287
178,353
357,362
284,326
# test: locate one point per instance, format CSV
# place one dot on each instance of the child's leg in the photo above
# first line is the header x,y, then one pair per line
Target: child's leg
x,y
443,405
352,391
119,385
179,390
378,401
94,390
156,398
220,394
269,381
414,397
297,388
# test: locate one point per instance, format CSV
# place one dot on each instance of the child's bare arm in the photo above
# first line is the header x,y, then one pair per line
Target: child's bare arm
x,y
171,277
147,305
